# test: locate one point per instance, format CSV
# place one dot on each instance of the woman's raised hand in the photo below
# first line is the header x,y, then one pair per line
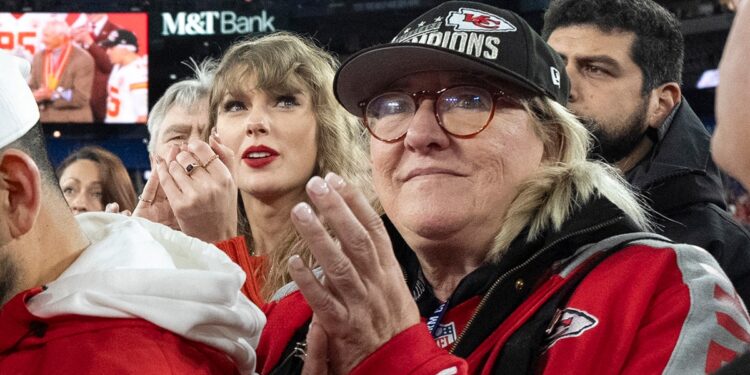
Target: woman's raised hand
x,y
363,301
201,190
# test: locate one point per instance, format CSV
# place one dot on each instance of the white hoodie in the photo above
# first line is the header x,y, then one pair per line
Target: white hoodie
x,y
138,269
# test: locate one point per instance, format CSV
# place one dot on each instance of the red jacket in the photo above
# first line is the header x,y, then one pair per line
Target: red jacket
x,y
75,344
651,307
140,299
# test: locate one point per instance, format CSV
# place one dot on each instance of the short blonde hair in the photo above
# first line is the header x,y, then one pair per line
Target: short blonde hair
x,y
565,180
282,63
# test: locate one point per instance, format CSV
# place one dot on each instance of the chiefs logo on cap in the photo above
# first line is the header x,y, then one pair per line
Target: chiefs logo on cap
x,y
467,19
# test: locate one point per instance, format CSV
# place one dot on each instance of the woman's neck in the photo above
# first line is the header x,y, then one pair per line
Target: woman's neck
x,y
269,219
444,275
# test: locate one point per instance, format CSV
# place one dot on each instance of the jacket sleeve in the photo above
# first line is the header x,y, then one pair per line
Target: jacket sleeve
x,y
412,351
650,308
236,249
83,78
101,61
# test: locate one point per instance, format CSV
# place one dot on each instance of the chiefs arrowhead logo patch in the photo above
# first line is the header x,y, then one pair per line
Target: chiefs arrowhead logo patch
x,y
569,323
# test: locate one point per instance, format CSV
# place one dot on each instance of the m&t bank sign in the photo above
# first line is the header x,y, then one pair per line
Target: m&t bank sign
x,y
215,23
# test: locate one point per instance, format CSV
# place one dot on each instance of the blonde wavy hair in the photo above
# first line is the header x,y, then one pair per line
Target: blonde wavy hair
x,y
565,180
282,63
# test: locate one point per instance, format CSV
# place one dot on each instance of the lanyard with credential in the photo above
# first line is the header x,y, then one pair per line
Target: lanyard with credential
x,y
434,320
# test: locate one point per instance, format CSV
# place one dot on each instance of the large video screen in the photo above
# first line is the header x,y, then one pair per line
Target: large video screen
x,y
85,67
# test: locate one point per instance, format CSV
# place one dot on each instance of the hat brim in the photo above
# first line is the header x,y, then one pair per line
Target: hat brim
x,y
372,70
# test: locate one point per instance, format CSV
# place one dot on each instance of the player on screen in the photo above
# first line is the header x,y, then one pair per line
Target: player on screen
x,y
127,89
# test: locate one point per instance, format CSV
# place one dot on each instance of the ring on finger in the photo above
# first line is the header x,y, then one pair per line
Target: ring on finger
x,y
210,160
142,199
190,168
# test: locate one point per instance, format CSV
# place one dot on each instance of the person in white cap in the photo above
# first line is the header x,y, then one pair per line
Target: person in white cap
x,y
104,293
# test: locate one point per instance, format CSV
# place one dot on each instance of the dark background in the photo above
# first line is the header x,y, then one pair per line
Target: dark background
x,y
343,27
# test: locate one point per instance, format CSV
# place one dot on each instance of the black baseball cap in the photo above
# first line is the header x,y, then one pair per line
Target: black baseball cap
x,y
120,37
462,36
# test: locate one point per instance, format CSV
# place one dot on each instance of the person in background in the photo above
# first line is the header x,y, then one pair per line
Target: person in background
x,y
88,31
127,88
61,77
504,250
103,293
181,114
624,59
92,177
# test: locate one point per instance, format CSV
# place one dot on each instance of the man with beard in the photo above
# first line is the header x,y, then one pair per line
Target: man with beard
x,y
624,59
104,293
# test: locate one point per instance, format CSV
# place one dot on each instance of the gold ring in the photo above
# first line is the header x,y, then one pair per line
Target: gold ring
x,y
142,199
210,160
190,168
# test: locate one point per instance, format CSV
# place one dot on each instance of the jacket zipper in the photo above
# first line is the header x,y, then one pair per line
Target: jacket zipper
x,y
516,268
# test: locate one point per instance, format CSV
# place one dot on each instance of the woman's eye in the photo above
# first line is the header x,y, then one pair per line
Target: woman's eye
x,y
234,106
67,191
97,194
286,101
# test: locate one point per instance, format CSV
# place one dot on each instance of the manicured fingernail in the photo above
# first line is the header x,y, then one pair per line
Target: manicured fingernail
x,y
335,180
303,212
318,186
296,262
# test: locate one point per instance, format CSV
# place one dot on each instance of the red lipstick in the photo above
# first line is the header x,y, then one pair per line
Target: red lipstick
x,y
259,156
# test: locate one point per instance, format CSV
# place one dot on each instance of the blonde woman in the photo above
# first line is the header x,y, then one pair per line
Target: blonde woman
x,y
275,123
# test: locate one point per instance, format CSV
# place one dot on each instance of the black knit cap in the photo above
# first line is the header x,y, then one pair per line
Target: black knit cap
x,y
461,36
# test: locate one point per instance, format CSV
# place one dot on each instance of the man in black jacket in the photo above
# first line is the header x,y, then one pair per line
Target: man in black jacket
x,y
624,59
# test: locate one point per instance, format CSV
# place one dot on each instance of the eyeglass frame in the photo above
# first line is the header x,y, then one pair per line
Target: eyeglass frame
x,y
435,95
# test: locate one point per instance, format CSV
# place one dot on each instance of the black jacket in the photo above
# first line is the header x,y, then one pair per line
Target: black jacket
x,y
683,185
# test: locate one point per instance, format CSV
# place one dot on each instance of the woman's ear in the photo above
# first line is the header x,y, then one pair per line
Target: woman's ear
x,y
20,192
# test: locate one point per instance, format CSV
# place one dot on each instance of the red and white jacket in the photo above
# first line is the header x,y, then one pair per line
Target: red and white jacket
x,y
141,299
649,307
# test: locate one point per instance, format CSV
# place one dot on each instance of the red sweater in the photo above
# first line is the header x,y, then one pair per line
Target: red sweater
x,y
255,267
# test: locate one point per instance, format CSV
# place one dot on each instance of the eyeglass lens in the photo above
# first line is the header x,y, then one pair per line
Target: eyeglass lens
x,y
462,110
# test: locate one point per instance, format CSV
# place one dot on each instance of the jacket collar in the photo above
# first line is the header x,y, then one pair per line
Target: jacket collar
x,y
590,223
679,161
16,320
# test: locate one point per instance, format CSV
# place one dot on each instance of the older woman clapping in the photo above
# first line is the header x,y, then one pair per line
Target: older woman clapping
x,y
520,256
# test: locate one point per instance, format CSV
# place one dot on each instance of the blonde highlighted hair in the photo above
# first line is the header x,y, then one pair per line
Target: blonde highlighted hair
x,y
566,180
283,63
